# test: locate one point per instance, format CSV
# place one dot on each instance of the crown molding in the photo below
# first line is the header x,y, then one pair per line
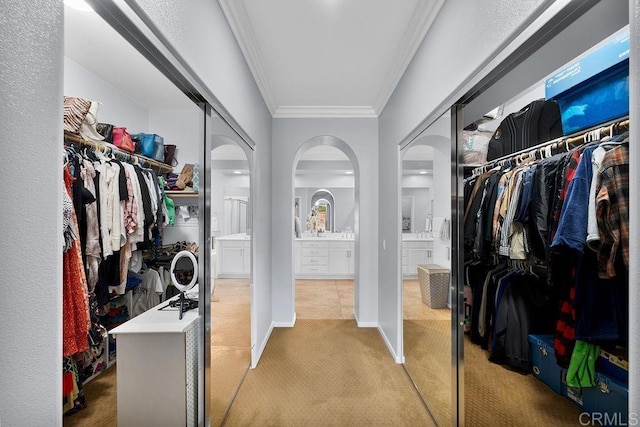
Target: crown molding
x,y
322,111
412,38
240,24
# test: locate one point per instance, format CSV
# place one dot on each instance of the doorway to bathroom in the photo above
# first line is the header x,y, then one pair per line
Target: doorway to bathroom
x,y
324,236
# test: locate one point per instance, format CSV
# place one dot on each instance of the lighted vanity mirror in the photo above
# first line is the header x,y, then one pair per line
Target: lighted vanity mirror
x,y
184,271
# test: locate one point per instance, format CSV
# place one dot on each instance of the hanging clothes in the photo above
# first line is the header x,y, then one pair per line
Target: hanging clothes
x,y
75,305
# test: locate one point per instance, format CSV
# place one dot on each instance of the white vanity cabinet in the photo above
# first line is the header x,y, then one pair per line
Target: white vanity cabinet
x,y
324,258
341,258
315,257
234,257
414,252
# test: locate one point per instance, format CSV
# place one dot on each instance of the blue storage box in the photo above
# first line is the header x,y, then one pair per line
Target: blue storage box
x,y
613,366
594,88
544,365
608,402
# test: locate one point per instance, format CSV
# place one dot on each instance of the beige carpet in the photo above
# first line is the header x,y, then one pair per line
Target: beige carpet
x,y
326,373
494,395
427,350
100,394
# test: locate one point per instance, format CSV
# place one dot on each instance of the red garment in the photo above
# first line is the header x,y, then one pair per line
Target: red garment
x,y
75,298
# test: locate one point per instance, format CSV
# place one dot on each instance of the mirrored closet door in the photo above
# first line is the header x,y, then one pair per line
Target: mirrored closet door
x,y
426,244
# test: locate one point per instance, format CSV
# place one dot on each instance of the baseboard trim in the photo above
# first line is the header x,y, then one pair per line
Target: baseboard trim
x,y
398,359
263,345
364,324
285,324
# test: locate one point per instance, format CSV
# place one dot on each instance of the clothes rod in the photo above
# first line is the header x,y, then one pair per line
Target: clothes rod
x,y
102,146
610,128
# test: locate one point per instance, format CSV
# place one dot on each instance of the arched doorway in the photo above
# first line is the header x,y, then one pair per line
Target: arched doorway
x,y
326,251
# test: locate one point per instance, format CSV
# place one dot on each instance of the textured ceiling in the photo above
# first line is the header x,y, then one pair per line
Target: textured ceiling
x,y
329,58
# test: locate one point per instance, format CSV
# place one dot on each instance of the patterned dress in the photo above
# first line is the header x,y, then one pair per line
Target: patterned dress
x,y
75,299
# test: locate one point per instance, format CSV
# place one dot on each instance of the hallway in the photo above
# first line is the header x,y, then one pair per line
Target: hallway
x,y
325,370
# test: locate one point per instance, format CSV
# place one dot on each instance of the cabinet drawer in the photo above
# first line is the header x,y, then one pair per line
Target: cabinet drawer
x,y
315,252
315,260
314,244
315,269
341,245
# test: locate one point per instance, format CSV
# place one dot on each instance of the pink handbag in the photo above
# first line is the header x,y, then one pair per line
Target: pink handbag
x,y
122,139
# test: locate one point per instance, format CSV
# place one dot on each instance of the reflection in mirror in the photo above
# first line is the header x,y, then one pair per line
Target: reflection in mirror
x,y
231,266
407,214
426,207
323,206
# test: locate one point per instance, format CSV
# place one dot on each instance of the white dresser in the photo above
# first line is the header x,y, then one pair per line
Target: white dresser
x,y
157,369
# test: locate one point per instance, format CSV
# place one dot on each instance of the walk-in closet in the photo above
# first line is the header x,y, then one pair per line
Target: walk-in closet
x,y
320,212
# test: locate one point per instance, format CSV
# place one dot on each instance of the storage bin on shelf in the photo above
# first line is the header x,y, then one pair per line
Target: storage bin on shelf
x,y
434,284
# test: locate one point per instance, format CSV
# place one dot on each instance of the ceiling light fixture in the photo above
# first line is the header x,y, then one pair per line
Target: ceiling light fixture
x,y
80,5
422,172
237,172
348,172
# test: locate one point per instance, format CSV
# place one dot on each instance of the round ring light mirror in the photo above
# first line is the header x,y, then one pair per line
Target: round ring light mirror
x,y
184,271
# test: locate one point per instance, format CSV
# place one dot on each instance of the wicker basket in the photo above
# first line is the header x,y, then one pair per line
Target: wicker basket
x,y
434,284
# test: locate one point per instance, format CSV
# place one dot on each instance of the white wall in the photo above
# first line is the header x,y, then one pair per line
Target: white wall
x,y
634,220
180,128
288,135
116,107
333,181
31,71
199,31
217,200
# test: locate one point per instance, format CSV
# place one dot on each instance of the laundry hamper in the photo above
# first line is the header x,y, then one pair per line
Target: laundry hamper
x,y
434,284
